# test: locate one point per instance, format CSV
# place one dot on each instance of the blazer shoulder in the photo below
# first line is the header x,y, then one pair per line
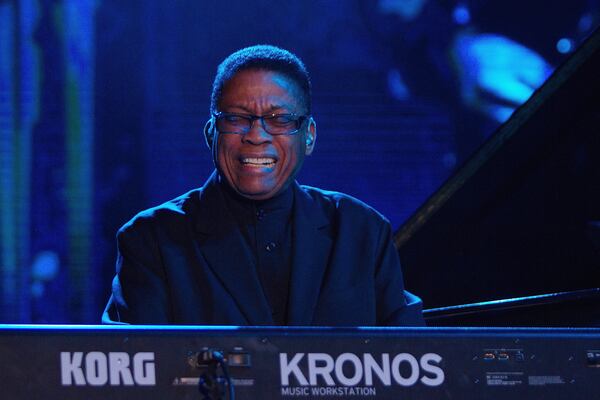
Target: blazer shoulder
x,y
342,203
172,211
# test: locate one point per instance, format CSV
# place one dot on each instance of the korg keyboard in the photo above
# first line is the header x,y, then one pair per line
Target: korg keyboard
x,y
152,362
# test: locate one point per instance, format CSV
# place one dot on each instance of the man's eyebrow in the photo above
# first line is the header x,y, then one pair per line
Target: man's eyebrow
x,y
242,108
275,108
271,109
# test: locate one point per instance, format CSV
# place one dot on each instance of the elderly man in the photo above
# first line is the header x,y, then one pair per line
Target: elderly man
x,y
252,246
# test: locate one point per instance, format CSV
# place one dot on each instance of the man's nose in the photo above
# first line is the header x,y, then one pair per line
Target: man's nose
x,y
257,134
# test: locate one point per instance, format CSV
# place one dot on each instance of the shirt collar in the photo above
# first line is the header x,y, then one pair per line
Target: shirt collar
x,y
246,210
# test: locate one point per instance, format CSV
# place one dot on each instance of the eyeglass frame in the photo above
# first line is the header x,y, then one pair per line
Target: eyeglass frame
x,y
252,117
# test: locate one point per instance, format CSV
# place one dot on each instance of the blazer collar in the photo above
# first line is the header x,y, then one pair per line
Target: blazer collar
x,y
311,247
224,249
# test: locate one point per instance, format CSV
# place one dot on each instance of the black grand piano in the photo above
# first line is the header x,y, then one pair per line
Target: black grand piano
x,y
513,238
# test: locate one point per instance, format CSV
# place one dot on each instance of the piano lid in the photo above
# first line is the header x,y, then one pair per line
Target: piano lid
x,y
520,218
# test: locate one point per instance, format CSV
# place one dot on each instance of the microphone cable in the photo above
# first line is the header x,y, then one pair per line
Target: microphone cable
x,y
210,383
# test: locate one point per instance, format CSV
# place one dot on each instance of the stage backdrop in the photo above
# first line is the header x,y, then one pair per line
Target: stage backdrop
x,y
102,105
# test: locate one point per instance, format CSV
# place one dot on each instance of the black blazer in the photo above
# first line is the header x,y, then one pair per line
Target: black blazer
x,y
184,262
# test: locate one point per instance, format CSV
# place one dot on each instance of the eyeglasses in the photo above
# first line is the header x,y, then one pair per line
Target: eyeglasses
x,y
273,124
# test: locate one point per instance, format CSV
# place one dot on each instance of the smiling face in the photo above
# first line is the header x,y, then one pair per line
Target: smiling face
x,y
258,165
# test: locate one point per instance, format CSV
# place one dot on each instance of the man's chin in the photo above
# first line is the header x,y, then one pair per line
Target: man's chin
x,y
257,192
257,195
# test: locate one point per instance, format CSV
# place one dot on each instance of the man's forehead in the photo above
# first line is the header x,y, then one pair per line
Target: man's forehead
x,y
259,84
268,75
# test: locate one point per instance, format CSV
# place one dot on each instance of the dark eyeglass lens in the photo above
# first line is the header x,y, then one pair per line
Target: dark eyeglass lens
x,y
277,125
234,120
281,124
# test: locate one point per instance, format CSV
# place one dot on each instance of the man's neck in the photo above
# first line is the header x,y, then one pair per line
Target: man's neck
x,y
281,201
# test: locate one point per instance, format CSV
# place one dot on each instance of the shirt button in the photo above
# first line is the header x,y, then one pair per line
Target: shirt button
x,y
260,214
271,246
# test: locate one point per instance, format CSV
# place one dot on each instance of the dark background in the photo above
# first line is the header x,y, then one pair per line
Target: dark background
x,y
102,105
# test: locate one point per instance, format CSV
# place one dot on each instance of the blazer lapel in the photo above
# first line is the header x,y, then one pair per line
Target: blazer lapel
x,y
228,256
311,245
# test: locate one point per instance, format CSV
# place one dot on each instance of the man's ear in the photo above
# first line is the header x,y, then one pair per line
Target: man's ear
x,y
311,136
209,133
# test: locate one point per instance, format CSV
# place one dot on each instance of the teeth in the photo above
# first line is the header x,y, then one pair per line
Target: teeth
x,y
258,160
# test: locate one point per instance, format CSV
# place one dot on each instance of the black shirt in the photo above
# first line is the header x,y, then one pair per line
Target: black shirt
x,y
267,229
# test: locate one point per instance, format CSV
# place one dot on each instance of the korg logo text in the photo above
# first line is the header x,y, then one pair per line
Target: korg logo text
x,y
349,374
115,368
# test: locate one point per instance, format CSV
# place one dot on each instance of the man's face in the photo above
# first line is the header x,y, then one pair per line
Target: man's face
x,y
258,165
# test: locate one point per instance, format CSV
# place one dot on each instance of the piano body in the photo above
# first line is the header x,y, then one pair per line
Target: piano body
x,y
522,216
